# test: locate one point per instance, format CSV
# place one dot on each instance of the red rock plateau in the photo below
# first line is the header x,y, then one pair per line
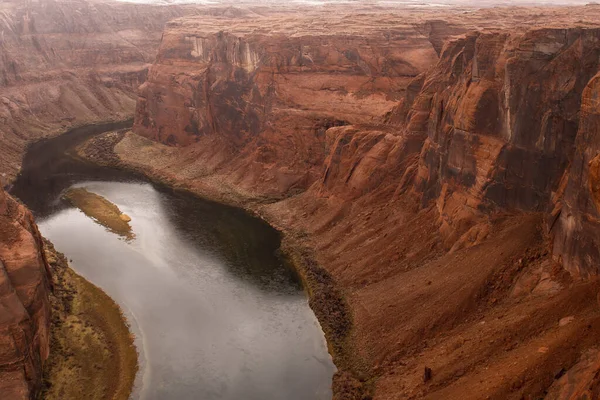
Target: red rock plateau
x,y
24,304
442,167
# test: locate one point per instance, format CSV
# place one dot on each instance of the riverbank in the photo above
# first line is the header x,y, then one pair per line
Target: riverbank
x,y
353,380
92,354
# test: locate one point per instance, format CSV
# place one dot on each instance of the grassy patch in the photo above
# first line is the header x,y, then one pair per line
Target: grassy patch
x,y
100,210
92,354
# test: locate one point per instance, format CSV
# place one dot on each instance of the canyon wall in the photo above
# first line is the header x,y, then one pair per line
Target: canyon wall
x,y
498,124
25,285
444,177
66,63
257,102
511,127
575,219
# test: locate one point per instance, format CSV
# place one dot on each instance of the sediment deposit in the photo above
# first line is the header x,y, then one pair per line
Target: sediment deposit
x,y
92,354
101,211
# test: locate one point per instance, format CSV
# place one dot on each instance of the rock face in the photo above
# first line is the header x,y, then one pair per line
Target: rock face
x,y
509,116
499,122
260,100
427,169
514,128
24,305
576,217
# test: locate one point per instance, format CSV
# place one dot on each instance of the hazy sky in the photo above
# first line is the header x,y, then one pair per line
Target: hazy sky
x,y
399,2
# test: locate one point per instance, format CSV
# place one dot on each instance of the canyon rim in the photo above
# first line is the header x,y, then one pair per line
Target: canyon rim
x,y
434,169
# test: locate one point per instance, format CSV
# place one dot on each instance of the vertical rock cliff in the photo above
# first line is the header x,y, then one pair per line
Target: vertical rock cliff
x,y
257,102
511,127
575,219
25,284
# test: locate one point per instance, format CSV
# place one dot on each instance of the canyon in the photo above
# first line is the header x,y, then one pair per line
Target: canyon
x,y
434,171
429,167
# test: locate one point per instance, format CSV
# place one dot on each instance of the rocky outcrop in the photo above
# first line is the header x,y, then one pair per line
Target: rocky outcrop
x,y
575,219
511,126
24,304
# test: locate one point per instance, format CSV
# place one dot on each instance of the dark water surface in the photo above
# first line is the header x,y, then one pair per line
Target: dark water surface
x,y
216,312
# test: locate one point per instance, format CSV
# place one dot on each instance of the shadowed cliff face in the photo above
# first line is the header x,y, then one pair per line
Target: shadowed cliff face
x,y
511,126
575,219
217,95
24,305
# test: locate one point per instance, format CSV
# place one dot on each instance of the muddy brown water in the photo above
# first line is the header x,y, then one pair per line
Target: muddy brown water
x,y
216,311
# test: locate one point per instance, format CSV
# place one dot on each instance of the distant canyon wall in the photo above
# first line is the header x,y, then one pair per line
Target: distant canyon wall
x,y
69,63
258,104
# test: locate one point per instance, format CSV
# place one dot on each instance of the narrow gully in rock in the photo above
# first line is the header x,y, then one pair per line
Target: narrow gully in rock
x,y
216,313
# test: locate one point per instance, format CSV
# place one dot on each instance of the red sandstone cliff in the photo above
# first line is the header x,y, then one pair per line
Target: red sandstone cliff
x,y
510,126
499,122
454,202
24,305
575,219
257,102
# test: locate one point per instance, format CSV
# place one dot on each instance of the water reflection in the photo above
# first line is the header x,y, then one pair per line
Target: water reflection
x,y
249,249
216,313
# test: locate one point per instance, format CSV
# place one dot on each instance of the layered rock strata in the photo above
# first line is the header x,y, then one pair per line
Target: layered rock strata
x,y
509,123
452,200
257,102
25,285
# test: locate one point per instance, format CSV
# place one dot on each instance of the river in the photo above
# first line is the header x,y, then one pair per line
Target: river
x,y
216,312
